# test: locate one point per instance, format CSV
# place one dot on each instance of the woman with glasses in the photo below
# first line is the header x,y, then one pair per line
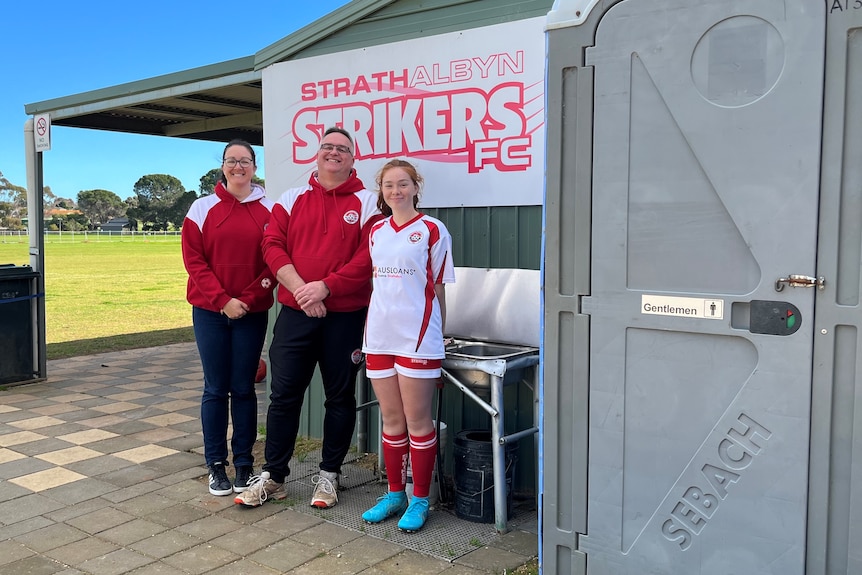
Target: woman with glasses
x,y
230,289
412,258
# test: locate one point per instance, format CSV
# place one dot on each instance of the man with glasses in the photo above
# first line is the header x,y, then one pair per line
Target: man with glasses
x,y
317,246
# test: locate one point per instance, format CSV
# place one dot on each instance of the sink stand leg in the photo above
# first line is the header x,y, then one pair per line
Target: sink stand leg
x,y
499,455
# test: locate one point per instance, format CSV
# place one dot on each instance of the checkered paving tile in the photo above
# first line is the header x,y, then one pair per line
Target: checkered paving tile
x,y
42,480
100,414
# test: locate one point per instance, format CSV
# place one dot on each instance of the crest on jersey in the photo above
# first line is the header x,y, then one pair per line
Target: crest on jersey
x,y
415,238
351,216
356,356
265,283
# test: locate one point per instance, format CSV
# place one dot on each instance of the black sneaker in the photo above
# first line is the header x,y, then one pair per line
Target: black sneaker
x,y
219,483
243,475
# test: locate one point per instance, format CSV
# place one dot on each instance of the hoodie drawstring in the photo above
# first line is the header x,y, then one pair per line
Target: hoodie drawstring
x,y
229,212
323,214
340,220
353,184
234,202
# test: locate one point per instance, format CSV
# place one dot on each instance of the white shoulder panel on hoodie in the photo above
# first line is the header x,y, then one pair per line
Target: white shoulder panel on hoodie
x,y
200,208
288,198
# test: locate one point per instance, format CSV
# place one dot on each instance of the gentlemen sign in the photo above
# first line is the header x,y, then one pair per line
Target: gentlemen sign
x,y
682,306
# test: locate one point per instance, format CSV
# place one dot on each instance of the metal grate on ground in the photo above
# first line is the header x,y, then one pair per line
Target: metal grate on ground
x,y
445,536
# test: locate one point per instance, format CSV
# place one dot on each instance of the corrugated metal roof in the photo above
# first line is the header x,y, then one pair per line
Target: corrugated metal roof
x,y
390,21
224,101
216,102
288,48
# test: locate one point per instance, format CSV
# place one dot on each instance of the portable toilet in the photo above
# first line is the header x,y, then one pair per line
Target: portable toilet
x,y
703,248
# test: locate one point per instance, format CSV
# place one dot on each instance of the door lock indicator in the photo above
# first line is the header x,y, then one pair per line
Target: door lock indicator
x,y
774,317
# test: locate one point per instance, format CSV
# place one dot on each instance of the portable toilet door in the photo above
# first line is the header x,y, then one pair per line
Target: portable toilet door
x,y
703,214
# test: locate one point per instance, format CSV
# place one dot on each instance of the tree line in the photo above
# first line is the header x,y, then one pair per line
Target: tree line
x,y
159,203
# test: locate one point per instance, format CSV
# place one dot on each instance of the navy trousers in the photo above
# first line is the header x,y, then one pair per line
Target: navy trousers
x,y
230,354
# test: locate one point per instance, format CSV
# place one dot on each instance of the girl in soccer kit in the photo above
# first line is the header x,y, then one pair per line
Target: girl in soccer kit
x,y
411,256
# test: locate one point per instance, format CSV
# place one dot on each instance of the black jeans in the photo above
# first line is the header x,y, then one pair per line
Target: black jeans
x,y
299,344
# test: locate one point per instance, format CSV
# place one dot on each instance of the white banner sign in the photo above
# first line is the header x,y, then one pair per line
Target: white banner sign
x,y
467,108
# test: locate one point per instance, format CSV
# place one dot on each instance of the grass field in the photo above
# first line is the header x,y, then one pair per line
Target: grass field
x,y
109,294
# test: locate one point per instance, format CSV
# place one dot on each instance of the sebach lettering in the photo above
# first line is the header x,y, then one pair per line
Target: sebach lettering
x,y
699,503
839,6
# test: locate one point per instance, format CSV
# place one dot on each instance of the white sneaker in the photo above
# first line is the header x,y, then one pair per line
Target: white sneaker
x,y
325,490
260,488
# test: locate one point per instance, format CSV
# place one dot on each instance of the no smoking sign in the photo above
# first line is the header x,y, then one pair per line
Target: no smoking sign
x,y
43,132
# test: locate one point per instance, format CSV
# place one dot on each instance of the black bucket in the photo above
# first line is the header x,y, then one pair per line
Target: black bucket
x,y
474,476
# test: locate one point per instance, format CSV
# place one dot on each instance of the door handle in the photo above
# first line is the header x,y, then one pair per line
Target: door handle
x,y
795,280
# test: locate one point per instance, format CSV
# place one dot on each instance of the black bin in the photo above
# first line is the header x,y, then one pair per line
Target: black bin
x,y
474,476
17,288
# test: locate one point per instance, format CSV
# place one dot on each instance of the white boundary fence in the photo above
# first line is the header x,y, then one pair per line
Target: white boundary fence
x,y
16,236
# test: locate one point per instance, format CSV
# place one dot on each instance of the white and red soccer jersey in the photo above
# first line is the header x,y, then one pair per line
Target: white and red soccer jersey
x,y
404,315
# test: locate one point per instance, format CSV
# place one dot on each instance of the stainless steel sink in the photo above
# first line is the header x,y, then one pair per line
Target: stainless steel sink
x,y
480,370
483,350
474,362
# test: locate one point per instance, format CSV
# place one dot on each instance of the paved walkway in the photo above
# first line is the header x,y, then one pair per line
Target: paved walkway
x,y
101,473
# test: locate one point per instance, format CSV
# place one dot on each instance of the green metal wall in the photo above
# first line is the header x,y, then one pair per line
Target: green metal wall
x,y
499,237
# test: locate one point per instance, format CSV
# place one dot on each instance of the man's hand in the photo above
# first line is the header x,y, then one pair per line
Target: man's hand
x,y
311,293
315,310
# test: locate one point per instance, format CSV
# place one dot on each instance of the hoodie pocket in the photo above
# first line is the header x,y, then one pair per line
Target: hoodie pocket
x,y
235,278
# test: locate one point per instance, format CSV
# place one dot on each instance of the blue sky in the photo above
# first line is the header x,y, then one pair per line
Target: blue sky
x,y
56,49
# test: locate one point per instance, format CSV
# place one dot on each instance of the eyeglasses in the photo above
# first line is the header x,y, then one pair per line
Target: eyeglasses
x,y
338,147
231,162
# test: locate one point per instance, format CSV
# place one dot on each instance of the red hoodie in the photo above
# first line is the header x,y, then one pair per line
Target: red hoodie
x,y
221,250
324,234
